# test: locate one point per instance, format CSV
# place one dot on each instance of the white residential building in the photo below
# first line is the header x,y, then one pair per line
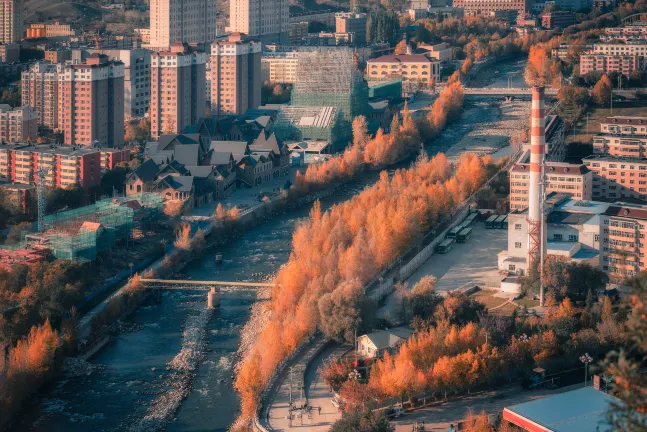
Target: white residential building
x,y
190,21
266,20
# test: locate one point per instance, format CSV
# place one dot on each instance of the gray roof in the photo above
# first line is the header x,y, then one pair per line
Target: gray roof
x,y
179,183
266,141
200,171
581,410
568,218
220,157
188,154
237,148
389,338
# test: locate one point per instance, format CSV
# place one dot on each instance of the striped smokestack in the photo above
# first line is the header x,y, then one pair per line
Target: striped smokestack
x,y
537,154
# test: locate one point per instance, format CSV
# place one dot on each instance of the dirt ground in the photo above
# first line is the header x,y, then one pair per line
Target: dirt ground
x,y
597,115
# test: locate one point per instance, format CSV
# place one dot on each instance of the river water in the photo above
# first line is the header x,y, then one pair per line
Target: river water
x,y
131,369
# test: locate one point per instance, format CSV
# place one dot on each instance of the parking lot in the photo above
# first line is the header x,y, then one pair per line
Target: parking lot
x,y
473,263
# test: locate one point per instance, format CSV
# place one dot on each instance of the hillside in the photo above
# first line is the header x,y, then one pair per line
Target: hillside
x,y
60,10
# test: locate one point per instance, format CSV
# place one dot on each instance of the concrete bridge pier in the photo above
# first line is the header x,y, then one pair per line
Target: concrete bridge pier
x,y
213,298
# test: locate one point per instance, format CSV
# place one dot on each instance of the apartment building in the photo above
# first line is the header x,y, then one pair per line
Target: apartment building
x,y
297,32
11,21
58,56
18,125
137,79
65,166
91,102
617,178
605,63
39,88
110,157
622,236
355,23
624,125
484,7
624,33
190,21
408,67
235,75
627,48
177,89
264,20
575,180
279,67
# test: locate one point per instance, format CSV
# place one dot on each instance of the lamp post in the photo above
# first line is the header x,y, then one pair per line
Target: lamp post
x,y
586,359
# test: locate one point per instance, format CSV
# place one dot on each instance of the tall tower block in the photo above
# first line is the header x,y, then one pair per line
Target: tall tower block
x,y
537,155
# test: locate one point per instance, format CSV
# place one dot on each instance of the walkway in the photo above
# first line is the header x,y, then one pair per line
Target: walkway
x,y
315,389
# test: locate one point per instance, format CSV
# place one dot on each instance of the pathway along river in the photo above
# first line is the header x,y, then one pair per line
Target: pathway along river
x,y
131,370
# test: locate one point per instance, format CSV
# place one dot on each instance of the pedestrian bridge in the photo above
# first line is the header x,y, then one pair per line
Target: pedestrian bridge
x,y
213,287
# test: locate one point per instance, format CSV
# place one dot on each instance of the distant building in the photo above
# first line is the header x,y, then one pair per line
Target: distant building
x,y
38,31
575,180
408,67
11,21
440,51
110,157
297,32
40,88
235,75
58,56
605,63
91,102
18,125
618,178
9,53
66,166
279,67
484,7
628,48
137,79
419,4
144,34
188,21
557,19
624,125
177,89
264,20
348,22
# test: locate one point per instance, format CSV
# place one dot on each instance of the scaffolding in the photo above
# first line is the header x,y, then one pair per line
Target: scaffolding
x,y
329,77
82,233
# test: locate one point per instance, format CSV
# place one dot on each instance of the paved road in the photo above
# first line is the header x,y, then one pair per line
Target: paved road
x,y
439,416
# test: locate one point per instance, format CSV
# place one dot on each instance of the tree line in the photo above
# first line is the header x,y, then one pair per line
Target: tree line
x,y
336,253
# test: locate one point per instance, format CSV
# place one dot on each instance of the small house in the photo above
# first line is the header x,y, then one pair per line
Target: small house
x,y
374,345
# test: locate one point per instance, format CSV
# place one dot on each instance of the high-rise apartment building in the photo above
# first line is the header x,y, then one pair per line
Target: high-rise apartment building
x,y
91,102
177,89
39,88
190,21
137,79
18,125
11,21
265,20
235,75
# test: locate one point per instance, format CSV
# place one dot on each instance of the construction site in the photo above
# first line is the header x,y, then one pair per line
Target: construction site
x,y
106,231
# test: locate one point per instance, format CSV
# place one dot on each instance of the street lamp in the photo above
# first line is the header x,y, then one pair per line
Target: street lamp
x,y
131,265
586,359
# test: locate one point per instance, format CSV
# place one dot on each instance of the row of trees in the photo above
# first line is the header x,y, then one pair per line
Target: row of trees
x,y
336,253
452,353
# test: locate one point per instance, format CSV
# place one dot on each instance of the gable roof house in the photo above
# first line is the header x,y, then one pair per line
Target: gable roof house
x,y
142,178
267,143
374,345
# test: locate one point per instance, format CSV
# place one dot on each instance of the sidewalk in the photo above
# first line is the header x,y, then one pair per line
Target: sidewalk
x,y
316,392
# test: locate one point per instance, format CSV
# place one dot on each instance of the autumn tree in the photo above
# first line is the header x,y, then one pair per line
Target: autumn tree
x,y
602,90
541,70
629,412
360,131
401,47
336,373
362,422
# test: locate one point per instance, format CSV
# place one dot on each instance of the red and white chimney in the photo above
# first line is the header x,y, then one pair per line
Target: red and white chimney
x,y
537,154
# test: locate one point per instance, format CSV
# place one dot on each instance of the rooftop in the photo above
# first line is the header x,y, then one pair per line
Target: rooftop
x,y
581,410
402,58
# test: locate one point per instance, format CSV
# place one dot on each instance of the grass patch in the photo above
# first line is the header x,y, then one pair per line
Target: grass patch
x,y
529,303
488,299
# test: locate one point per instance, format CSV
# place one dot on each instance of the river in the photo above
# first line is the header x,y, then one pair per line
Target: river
x,y
131,369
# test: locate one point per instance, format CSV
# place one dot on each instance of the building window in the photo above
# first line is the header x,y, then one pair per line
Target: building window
x,y
557,237
517,227
573,238
517,245
512,267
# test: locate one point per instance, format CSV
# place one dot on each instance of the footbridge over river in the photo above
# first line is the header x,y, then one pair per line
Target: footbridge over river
x,y
213,287
504,92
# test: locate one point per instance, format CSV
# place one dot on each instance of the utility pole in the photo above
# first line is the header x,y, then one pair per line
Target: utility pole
x,y
587,123
290,403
